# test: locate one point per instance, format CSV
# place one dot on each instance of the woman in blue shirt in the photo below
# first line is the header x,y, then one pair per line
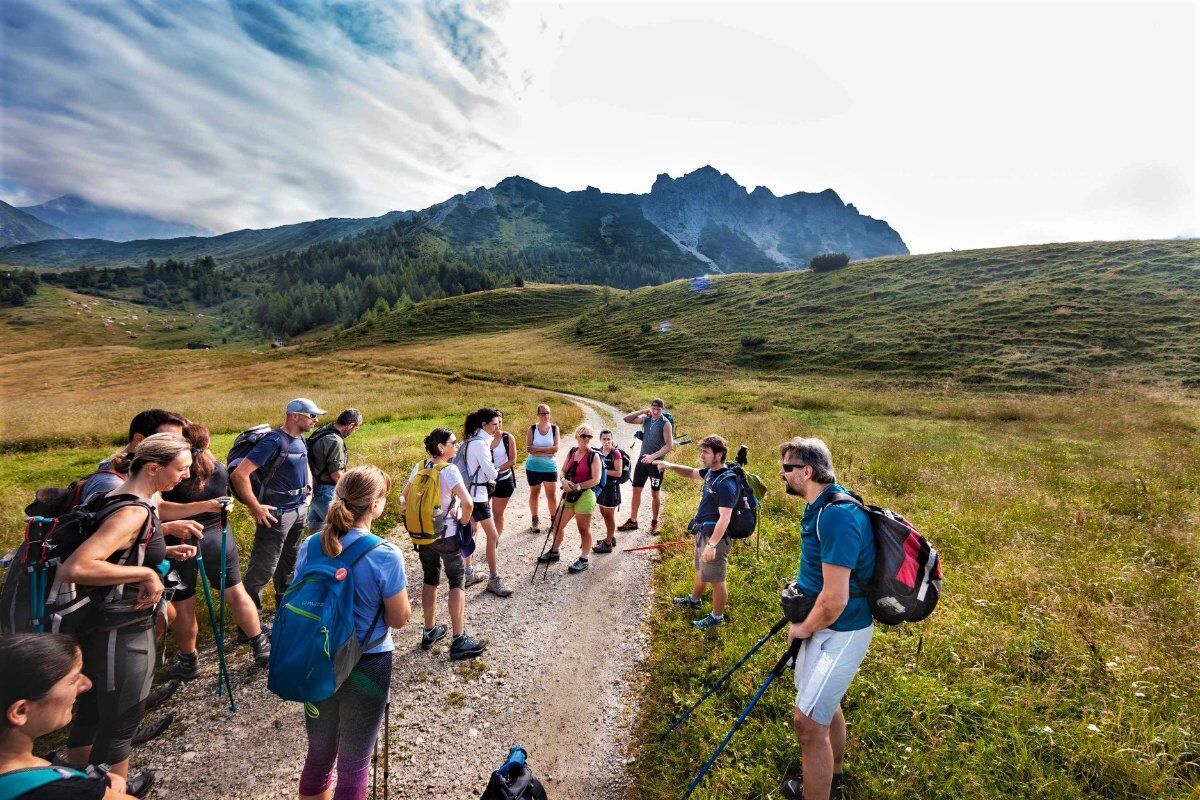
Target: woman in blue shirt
x,y
346,725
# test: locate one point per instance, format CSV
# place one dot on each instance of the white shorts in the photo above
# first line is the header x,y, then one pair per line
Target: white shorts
x,y
827,663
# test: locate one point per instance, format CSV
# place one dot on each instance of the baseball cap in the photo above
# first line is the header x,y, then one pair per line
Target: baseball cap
x,y
302,405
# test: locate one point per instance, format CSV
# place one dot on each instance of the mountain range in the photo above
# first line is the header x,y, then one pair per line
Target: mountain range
x,y
17,227
703,221
84,219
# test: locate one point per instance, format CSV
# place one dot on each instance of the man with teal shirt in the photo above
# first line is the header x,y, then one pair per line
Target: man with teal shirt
x,y
837,551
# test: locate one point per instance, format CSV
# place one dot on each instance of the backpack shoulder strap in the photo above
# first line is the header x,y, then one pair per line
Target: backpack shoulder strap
x,y
357,551
265,477
22,781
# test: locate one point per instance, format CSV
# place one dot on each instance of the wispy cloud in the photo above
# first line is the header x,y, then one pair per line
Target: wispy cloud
x,y
250,113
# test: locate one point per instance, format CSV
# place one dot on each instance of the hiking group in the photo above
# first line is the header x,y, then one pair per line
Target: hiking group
x,y
111,563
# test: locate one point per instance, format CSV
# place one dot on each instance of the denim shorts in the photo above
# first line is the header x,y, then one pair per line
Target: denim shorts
x,y
826,665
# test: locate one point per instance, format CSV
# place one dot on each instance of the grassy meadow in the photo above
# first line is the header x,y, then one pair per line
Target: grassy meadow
x,y
1061,660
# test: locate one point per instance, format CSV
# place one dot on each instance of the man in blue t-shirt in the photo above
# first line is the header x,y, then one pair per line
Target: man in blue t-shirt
x,y
279,509
711,560
837,550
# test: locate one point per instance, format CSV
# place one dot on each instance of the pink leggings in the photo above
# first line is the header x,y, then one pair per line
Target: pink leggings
x,y
345,730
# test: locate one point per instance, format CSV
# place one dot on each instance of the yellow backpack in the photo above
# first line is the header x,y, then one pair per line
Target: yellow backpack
x,y
424,516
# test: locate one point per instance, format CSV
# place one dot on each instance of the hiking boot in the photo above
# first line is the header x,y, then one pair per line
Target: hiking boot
x,y
709,621
687,601
603,547
140,784
548,556
496,586
533,526
464,647
185,668
628,525
162,694
432,636
793,788
243,638
580,565
260,646
152,730
473,577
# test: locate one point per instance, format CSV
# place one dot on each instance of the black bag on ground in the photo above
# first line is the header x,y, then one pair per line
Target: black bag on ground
x,y
908,573
32,600
514,780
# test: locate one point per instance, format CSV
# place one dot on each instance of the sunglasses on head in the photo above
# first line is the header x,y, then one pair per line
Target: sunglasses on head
x,y
790,467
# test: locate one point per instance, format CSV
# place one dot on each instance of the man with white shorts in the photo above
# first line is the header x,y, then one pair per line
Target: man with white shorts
x,y
837,546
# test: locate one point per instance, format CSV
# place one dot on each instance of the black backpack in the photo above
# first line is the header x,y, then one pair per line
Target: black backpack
x,y
242,445
744,519
32,599
908,573
514,780
626,465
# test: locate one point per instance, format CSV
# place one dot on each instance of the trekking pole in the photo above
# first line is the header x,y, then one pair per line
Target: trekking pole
x,y
658,546
225,531
776,671
222,670
387,746
375,772
547,540
776,628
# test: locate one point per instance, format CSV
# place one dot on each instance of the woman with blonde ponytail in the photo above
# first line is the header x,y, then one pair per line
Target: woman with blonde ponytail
x,y
346,725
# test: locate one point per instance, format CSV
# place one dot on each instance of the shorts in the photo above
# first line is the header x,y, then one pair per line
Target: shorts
x,y
610,495
210,551
443,552
481,510
826,665
643,472
586,503
535,477
505,486
711,571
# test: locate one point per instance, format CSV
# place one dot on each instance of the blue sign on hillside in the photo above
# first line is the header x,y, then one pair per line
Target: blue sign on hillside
x,y
700,283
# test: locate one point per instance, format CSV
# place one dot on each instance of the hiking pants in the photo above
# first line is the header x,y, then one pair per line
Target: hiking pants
x,y
345,729
120,664
319,507
273,556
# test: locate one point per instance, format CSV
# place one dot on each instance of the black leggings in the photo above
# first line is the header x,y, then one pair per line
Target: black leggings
x,y
120,664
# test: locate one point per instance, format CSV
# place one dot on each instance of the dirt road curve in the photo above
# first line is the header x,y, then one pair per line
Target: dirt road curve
x,y
554,679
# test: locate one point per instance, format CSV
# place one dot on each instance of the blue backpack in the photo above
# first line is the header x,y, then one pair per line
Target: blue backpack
x,y
313,642
22,781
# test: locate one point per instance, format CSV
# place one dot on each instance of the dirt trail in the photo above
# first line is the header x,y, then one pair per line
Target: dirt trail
x,y
555,679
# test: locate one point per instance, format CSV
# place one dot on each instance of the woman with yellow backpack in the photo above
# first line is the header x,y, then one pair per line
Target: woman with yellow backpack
x,y
436,507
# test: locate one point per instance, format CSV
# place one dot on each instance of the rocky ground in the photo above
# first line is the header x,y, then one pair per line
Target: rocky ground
x,y
555,679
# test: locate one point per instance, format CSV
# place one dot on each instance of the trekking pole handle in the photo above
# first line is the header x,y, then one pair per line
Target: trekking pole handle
x,y
38,519
789,657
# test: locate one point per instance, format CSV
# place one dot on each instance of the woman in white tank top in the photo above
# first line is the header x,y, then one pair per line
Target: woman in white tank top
x,y
541,443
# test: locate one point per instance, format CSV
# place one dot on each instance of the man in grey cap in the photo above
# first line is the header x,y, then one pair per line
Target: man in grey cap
x,y
327,459
279,508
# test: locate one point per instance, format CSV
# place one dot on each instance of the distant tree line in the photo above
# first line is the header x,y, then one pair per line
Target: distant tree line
x,y
828,262
170,284
17,286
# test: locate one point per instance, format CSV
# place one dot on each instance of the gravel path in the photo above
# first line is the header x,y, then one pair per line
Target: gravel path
x,y
555,679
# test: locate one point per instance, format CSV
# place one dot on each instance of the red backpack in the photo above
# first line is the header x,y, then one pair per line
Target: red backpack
x,y
908,574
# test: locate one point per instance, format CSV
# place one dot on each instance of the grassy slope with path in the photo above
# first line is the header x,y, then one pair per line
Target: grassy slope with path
x,y
1068,521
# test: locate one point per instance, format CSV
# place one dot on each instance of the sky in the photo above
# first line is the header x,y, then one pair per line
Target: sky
x,y
963,125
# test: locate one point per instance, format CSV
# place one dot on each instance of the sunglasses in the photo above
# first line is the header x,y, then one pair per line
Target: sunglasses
x,y
543,413
585,436
311,416
789,467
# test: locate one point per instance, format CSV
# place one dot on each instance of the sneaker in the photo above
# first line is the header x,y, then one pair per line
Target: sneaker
x,y
496,586
603,547
709,621
687,601
793,788
579,566
185,668
473,577
261,647
464,647
835,789
628,525
655,528
162,694
152,730
533,526
139,784
548,556
432,636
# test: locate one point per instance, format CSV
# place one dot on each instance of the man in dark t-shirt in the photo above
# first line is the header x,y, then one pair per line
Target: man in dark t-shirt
x,y
717,500
279,509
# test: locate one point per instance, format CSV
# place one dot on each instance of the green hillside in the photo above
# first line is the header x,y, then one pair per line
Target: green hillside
x,y
479,312
1045,316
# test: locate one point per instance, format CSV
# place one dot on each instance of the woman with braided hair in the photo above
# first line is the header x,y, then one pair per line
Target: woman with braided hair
x,y
345,726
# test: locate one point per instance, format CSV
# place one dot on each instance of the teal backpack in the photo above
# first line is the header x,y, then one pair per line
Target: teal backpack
x,y
22,781
313,643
